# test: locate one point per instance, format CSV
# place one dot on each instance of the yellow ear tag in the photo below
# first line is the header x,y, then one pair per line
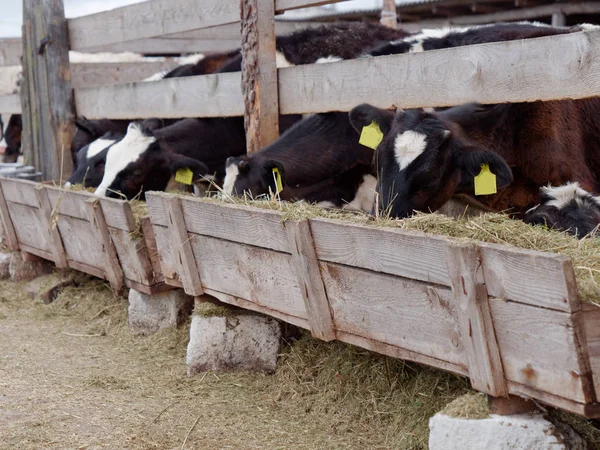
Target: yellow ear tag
x,y
184,176
278,183
371,136
485,182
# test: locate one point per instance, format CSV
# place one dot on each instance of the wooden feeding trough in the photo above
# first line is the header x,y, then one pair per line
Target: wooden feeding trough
x,y
98,236
509,319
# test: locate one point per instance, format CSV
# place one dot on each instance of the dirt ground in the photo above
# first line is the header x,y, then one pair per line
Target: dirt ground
x,y
72,376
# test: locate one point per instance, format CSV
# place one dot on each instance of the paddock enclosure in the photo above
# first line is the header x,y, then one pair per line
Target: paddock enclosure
x,y
509,319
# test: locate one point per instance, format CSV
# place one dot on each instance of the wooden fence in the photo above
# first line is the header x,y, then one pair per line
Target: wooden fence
x,y
385,290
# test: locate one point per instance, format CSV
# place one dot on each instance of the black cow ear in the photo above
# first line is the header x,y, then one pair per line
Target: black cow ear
x,y
243,166
269,166
469,163
177,162
85,125
364,114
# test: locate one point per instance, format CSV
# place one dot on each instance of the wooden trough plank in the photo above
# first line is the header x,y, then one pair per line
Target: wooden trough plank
x,y
539,349
546,68
202,96
407,254
591,320
188,269
149,19
37,252
21,191
112,267
86,268
133,256
477,327
550,399
262,228
47,216
10,104
242,303
8,230
169,267
403,313
544,286
261,276
306,264
82,245
30,223
150,240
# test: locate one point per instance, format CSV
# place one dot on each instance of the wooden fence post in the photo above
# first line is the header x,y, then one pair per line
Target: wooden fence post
x,y
47,98
388,14
259,74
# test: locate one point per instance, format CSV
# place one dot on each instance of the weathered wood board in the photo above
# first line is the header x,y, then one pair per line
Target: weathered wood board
x,y
392,291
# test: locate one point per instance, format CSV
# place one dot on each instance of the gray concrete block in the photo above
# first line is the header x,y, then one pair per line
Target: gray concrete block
x,y
151,313
236,340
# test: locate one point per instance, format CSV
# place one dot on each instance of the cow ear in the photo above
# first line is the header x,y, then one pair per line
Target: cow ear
x,y
269,166
364,114
86,126
469,163
177,161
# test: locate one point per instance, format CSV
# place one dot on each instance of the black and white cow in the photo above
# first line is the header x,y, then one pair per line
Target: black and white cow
x,y
91,160
90,130
10,144
333,173
217,139
567,208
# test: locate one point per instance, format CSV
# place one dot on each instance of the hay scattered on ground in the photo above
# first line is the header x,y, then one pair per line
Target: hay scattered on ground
x,y
490,227
473,405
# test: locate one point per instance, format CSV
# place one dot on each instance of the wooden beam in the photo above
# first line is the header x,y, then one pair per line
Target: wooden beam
x,y
513,71
259,74
112,268
10,51
510,405
305,261
558,19
203,96
10,104
164,46
190,276
287,5
49,221
50,89
98,74
389,17
12,242
476,324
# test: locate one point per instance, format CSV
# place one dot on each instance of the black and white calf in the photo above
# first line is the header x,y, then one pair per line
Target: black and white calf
x,y
91,160
567,208
313,167
10,144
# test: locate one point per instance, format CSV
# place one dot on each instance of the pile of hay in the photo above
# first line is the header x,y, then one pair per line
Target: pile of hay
x,y
490,227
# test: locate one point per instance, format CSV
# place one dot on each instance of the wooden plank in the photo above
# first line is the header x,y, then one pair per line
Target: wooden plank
x,y
169,266
203,96
591,319
547,282
400,312
10,51
252,306
48,216
397,252
509,405
8,230
188,268
29,222
450,76
259,74
28,100
20,191
149,290
85,268
306,264
10,104
112,266
477,327
98,74
83,244
287,5
262,228
27,249
151,246
388,16
261,276
51,88
233,31
166,46
539,349
133,256
149,19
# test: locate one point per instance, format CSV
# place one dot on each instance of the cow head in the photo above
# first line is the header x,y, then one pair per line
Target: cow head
x,y
421,162
255,177
91,161
138,163
11,138
566,208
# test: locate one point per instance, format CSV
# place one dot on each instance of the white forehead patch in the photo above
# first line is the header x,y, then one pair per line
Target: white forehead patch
x,y
328,59
281,61
120,155
231,175
407,146
561,196
97,146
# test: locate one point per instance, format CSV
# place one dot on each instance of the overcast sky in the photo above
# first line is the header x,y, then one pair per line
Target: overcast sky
x,y
11,15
